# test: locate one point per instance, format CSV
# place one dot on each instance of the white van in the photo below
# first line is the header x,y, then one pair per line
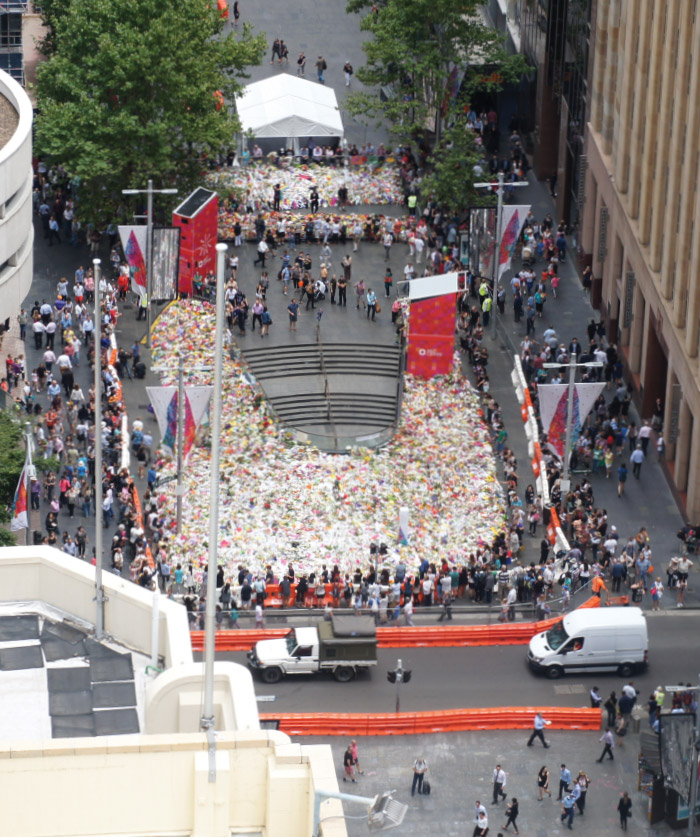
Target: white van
x,y
592,639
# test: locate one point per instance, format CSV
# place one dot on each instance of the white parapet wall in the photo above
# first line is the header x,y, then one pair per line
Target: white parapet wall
x,y
42,573
16,227
159,785
174,699
264,783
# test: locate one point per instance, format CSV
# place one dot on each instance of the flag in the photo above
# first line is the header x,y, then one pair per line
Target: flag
x,y
554,408
165,407
512,222
20,513
134,244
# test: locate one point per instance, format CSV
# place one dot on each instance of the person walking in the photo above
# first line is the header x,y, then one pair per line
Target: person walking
x,y
543,782
387,241
609,741
420,768
582,783
262,253
537,731
567,810
371,304
595,697
624,808
512,815
611,707
564,781
348,765
321,66
355,757
481,829
301,64
637,459
347,71
621,479
499,782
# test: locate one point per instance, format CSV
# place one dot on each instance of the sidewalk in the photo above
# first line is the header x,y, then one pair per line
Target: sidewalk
x,y
460,772
647,502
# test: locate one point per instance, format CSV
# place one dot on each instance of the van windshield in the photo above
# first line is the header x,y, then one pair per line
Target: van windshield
x,y
557,636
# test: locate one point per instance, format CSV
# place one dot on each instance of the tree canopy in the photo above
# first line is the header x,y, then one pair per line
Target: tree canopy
x,y
128,89
450,178
414,57
11,462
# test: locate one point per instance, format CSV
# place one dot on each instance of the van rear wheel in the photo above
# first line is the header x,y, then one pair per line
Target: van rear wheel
x,y
625,670
343,674
555,672
271,675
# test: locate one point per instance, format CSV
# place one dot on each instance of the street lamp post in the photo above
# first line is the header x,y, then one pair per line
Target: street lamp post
x,y
573,366
149,191
497,249
207,720
97,337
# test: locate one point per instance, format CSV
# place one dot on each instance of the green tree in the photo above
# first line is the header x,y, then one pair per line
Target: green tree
x,y
128,93
11,462
450,178
415,47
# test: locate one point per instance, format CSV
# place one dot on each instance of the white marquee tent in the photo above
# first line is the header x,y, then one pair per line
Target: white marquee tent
x,y
288,107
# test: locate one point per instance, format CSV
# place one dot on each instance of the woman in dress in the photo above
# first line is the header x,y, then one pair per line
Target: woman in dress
x,y
543,782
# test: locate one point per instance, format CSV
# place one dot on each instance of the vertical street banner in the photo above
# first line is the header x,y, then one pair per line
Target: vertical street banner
x,y
554,403
20,513
165,407
133,240
431,339
676,736
166,262
512,222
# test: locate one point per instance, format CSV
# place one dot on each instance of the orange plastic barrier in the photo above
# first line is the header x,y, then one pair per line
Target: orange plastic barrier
x,y
235,640
447,720
594,601
436,636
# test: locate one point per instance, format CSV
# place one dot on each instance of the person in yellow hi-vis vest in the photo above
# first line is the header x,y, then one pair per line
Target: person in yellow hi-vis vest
x,y
486,310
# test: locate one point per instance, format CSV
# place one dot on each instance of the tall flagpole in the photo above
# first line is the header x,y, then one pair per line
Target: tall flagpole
x,y
29,474
207,720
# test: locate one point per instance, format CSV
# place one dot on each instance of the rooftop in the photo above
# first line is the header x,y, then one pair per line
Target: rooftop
x,y
58,682
9,120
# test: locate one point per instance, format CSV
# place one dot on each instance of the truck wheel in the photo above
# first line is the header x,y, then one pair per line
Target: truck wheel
x,y
555,672
343,674
625,670
271,675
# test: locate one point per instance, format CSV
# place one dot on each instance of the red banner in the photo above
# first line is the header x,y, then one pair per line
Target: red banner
x,y
431,337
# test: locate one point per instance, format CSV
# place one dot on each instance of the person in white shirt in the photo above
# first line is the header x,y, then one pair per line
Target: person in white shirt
x,y
499,782
419,246
511,599
420,768
537,731
482,825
